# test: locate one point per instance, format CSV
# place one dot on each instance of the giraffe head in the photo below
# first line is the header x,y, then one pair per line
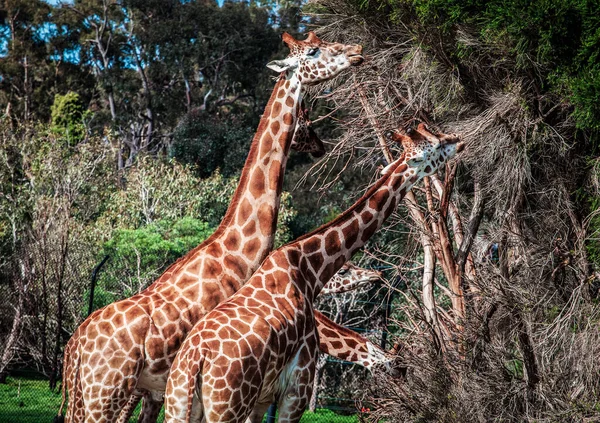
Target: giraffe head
x,y
314,60
350,277
426,151
305,139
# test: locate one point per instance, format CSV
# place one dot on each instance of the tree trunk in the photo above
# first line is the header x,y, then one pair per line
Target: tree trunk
x,y
15,330
312,405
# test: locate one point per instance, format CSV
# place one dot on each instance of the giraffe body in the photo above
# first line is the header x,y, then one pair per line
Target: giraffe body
x,y
127,347
261,344
355,348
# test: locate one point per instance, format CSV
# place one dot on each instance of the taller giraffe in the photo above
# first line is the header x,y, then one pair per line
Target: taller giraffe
x,y
304,140
261,344
128,346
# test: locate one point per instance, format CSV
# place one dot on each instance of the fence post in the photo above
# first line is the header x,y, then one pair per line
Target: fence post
x,y
93,283
271,413
388,311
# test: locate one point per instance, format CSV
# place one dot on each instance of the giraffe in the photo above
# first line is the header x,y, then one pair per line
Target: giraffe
x,y
127,347
261,344
303,140
349,278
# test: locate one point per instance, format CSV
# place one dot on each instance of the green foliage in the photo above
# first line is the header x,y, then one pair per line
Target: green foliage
x,y
158,242
138,256
68,117
558,41
593,241
42,178
213,142
286,216
586,97
166,190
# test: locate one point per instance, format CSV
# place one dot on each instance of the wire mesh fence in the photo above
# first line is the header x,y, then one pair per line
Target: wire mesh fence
x,y
26,397
41,303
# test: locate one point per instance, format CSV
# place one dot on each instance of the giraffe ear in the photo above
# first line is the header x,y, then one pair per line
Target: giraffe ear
x,y
406,141
278,65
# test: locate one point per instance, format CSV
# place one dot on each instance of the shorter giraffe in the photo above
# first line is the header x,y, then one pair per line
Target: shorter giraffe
x,y
261,344
360,350
349,278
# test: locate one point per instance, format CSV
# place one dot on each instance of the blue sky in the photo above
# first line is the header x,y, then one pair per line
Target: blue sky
x,y
71,1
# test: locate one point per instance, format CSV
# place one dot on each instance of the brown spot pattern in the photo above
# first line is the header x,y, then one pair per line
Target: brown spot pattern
x,y
257,185
332,243
369,231
245,210
288,119
251,248
266,219
311,245
350,233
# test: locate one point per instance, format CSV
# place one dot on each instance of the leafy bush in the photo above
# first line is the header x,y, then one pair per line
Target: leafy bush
x,y
213,142
138,256
68,117
166,190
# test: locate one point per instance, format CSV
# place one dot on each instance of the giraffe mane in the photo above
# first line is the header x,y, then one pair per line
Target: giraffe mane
x,y
237,195
356,204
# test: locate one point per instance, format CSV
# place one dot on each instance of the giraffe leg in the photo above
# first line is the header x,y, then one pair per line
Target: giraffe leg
x,y
129,408
299,384
183,385
150,409
104,404
107,389
75,408
258,413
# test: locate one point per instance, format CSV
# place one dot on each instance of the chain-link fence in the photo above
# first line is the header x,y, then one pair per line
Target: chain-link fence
x,y
26,397
42,300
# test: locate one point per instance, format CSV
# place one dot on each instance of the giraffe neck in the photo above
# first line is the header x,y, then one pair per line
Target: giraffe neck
x,y
325,250
262,175
248,228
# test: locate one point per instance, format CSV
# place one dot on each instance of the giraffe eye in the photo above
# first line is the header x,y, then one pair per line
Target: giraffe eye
x,y
312,51
342,272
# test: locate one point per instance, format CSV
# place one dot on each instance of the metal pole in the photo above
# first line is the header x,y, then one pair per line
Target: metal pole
x,y
271,413
388,311
93,283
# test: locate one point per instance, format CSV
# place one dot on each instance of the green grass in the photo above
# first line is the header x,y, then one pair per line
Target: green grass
x,y
324,416
327,416
27,400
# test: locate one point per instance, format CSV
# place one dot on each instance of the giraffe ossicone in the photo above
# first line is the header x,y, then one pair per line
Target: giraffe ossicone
x,y
261,344
125,350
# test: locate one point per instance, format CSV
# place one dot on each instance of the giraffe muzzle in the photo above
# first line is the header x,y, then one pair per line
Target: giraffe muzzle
x,y
354,55
356,59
